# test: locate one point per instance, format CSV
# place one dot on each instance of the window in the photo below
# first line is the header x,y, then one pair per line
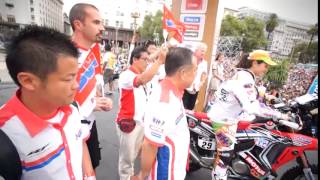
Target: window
x,y
9,5
11,19
32,17
32,9
106,22
31,2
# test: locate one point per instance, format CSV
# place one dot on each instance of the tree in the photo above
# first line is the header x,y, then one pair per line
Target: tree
x,y
254,36
312,31
232,26
306,53
271,24
250,27
152,25
278,75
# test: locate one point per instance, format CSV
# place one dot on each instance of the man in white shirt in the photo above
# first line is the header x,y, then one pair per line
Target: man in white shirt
x,y
86,23
165,147
133,101
191,93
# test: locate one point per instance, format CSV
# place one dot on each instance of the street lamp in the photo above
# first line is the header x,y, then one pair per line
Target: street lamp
x,y
117,27
135,15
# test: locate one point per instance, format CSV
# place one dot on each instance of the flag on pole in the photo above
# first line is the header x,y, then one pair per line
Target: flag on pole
x,y
86,78
172,25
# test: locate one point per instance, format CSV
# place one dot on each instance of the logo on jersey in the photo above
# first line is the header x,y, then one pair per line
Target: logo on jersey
x,y
38,150
89,72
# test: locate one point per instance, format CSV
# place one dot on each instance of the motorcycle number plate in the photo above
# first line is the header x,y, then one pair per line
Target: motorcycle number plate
x,y
206,143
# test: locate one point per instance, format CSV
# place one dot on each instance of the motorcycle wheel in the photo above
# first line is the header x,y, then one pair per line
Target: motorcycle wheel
x,y
296,173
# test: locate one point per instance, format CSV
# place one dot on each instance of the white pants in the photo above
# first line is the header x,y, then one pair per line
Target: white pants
x,y
130,145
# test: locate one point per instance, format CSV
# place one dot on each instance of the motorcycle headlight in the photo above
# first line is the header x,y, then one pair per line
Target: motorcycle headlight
x,y
191,123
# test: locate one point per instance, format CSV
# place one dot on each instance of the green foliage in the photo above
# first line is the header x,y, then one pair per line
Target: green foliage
x,y
232,26
306,53
271,24
152,25
312,31
249,29
278,75
254,36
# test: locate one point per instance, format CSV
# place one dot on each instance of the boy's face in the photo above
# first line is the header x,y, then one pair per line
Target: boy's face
x,y
60,87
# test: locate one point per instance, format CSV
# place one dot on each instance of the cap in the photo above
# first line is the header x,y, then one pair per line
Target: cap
x,y
262,56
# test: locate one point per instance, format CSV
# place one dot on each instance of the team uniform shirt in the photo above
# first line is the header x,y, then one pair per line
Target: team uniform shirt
x,y
195,86
157,78
133,98
48,148
87,108
238,98
166,127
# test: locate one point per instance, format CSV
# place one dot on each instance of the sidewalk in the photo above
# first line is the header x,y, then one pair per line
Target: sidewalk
x,y
4,75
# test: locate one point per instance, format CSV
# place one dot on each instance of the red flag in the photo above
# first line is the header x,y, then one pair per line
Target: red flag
x,y
172,25
87,80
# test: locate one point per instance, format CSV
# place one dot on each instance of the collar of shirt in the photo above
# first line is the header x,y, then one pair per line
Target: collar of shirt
x,y
166,83
80,47
33,123
134,70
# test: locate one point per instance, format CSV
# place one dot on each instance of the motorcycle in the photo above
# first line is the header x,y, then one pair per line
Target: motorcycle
x,y
306,107
260,150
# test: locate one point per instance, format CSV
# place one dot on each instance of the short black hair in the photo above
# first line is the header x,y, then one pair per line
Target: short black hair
x,y
107,47
176,58
36,50
136,53
246,63
78,12
148,43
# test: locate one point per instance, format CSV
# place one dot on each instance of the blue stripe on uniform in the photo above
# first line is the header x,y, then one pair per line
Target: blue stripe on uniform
x,y
163,158
43,163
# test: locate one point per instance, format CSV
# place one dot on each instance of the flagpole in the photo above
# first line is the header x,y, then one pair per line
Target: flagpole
x,y
165,35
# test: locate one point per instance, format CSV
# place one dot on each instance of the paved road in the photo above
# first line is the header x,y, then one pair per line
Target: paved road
x,y
108,169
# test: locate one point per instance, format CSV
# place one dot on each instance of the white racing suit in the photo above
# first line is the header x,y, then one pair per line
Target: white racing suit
x,y
234,97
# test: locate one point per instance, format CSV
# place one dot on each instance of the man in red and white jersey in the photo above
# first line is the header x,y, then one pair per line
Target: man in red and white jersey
x,y
164,153
133,99
39,120
86,23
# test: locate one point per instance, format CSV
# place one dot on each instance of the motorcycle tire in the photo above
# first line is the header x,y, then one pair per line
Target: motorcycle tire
x,y
296,173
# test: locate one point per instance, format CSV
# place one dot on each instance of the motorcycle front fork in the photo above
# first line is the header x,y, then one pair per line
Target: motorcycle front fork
x,y
306,168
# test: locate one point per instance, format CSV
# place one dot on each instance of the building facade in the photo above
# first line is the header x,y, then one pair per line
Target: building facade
x,y
40,12
285,36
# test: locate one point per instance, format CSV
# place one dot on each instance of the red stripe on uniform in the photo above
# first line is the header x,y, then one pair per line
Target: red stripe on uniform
x,y
43,159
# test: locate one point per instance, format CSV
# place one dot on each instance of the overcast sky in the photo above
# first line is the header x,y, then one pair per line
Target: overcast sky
x,y
305,11
299,10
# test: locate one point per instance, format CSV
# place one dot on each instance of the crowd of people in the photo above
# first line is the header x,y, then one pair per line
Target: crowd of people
x,y
297,84
61,84
299,80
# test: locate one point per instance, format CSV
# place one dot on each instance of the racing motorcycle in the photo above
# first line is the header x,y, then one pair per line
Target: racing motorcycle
x,y
260,151
306,107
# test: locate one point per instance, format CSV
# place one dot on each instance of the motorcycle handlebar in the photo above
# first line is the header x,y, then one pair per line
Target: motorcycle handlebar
x,y
294,123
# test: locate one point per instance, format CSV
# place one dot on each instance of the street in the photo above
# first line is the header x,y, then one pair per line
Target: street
x,y
108,169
